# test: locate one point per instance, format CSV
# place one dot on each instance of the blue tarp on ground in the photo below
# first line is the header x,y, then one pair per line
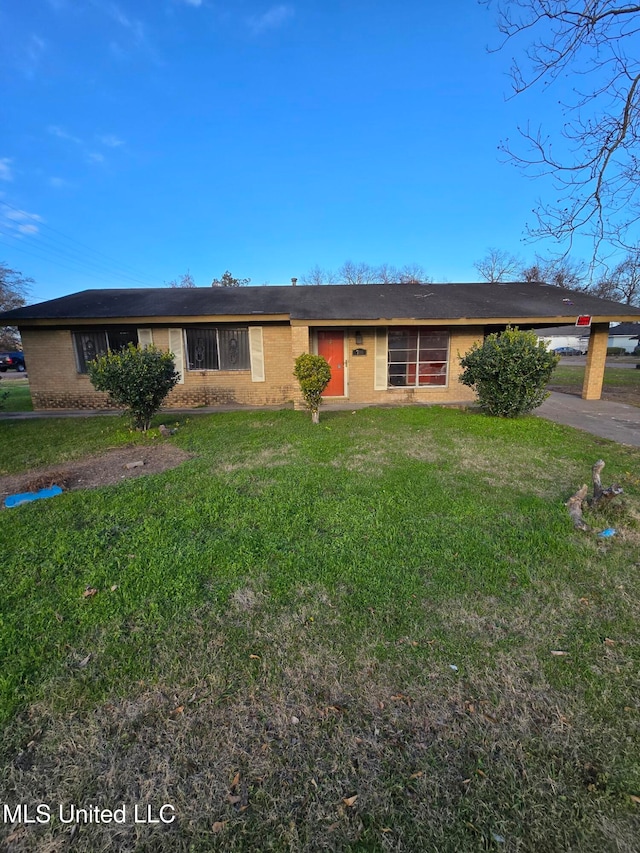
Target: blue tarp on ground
x,y
26,497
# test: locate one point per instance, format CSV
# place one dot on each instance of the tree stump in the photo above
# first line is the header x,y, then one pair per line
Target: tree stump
x,y
600,497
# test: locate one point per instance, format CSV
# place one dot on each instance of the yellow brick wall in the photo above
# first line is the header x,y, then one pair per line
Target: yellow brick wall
x,y
596,358
300,343
216,387
53,377
56,384
360,372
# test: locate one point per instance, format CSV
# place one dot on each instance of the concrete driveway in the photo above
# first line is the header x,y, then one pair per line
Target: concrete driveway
x,y
616,421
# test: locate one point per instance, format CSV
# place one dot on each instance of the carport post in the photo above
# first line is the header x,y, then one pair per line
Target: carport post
x,y
596,358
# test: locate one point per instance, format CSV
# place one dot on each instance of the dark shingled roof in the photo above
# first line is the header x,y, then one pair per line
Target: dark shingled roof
x,y
562,331
334,302
625,329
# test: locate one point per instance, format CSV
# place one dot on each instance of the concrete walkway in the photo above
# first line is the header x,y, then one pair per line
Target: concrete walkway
x,y
616,421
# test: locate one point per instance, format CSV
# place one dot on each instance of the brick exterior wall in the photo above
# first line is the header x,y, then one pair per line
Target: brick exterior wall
x,y
56,384
359,379
596,358
220,387
300,343
53,377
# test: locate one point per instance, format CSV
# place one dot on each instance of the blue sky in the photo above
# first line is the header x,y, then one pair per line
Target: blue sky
x,y
144,139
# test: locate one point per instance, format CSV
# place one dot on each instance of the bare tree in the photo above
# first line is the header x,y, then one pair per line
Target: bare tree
x,y
317,275
387,274
562,272
498,265
413,274
595,170
363,273
14,289
622,284
360,273
227,280
185,280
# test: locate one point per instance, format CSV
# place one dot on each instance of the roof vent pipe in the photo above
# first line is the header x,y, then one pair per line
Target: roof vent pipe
x,y
294,281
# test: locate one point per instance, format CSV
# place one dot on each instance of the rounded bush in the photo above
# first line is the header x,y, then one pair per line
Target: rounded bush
x,y
509,372
138,379
313,373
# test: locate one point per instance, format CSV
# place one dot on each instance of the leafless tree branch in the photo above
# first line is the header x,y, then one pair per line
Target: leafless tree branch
x,y
594,166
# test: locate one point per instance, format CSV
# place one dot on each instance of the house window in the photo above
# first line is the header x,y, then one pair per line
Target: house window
x,y
210,348
417,356
91,343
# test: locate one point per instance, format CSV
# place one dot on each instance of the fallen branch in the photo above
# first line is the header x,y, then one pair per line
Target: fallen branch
x,y
601,495
575,508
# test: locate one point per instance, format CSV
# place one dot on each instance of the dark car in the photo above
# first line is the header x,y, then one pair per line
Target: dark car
x,y
568,351
12,361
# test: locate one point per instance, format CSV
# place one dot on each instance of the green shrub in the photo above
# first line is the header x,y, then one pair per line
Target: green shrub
x,y
616,351
138,379
509,372
313,373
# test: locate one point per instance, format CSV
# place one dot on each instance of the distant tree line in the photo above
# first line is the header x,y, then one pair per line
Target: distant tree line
x,y
225,280
621,283
348,273
363,273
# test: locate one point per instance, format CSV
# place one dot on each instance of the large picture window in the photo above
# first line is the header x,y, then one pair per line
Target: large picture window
x,y
417,356
91,343
210,348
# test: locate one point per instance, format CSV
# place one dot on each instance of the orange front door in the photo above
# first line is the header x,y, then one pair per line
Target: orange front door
x,y
331,347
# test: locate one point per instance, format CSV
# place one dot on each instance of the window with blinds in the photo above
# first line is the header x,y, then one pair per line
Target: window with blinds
x,y
417,356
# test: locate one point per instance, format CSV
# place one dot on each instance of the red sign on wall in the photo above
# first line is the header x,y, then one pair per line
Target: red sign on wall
x,y
583,320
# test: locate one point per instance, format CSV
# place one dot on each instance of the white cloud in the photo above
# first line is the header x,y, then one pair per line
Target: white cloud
x,y
6,173
193,2
110,140
61,133
30,55
20,222
21,215
272,19
135,27
34,48
58,183
27,229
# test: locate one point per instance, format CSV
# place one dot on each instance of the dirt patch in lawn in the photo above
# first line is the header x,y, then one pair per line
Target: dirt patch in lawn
x,y
104,469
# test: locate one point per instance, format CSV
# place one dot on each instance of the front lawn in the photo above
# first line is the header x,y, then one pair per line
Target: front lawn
x,y
621,384
18,395
379,633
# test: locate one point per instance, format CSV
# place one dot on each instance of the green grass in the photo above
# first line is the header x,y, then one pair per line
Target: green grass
x,y
66,439
621,384
18,397
276,624
613,376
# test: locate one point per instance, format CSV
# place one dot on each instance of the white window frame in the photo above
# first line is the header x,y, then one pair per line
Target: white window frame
x,y
417,385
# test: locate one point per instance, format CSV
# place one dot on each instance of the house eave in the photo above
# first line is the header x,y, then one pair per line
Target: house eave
x,y
254,318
